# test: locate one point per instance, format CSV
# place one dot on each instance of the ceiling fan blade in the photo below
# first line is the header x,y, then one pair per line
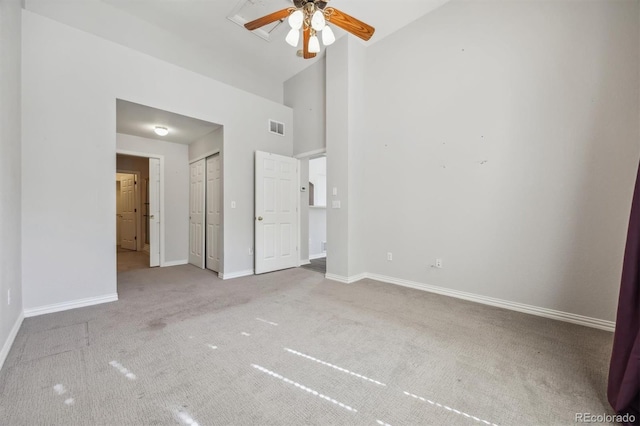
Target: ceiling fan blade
x,y
306,35
272,17
350,24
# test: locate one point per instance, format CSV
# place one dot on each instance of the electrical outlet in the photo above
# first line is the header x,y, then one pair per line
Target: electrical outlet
x,y
438,263
9,297
389,256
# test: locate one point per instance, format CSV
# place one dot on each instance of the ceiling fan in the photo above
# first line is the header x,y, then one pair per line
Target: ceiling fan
x,y
312,17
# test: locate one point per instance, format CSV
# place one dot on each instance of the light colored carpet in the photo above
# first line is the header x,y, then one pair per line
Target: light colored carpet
x,y
128,260
291,348
318,265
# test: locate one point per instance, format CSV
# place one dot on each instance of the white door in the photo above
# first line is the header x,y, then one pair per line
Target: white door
x,y
154,212
276,214
213,213
196,214
128,204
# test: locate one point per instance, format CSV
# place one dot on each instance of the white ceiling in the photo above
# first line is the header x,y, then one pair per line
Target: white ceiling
x,y
205,23
140,120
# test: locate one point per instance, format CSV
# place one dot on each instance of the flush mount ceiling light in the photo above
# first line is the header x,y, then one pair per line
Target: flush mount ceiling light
x,y
161,131
312,17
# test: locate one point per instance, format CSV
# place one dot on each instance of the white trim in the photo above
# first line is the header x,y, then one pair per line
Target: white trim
x,y
317,256
345,280
305,262
175,263
205,155
10,339
310,153
513,306
235,274
73,304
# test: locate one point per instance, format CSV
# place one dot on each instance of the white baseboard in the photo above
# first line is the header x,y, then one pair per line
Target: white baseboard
x,y
345,280
304,262
236,274
317,256
513,306
73,304
10,339
175,263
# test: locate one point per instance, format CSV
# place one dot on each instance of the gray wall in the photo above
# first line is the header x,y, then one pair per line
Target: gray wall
x,y
100,18
507,147
305,93
209,143
10,182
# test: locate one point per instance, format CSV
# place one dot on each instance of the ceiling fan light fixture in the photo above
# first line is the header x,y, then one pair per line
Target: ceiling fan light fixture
x,y
317,20
161,131
293,37
328,37
314,44
296,19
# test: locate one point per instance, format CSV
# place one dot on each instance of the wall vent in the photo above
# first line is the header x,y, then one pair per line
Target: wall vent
x,y
276,127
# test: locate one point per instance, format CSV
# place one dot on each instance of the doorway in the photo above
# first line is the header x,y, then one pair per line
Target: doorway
x,y
318,214
137,212
205,213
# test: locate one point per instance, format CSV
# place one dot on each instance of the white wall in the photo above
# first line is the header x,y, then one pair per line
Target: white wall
x,y
175,195
345,157
507,147
69,117
109,22
317,231
10,210
305,93
206,145
318,176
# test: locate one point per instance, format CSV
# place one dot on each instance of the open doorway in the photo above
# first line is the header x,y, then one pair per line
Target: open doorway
x,y
137,212
317,214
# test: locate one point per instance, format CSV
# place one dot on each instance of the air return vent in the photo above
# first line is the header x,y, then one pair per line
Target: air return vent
x,y
276,127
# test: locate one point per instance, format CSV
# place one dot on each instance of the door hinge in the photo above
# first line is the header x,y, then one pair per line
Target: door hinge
x,y
135,210
135,238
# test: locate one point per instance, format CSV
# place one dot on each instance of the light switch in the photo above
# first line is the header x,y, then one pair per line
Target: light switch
x,y
233,204
335,191
335,204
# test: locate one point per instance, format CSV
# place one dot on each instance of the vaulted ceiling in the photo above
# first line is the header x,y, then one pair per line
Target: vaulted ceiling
x,y
220,42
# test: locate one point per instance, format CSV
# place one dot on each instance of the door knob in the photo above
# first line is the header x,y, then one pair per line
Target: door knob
x,y
259,217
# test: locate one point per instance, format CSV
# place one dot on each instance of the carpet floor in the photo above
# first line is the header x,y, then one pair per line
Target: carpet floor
x,y
129,260
318,265
182,347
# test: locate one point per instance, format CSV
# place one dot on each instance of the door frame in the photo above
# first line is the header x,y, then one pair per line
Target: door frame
x,y
162,212
308,156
